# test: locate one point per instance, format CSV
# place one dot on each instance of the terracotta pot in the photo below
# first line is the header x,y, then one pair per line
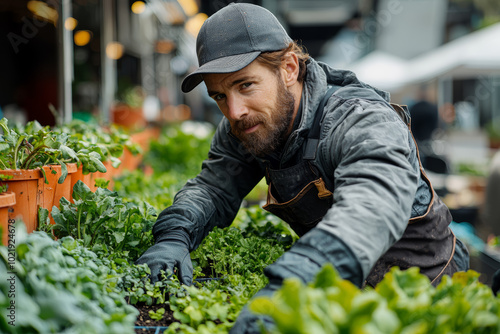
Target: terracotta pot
x,y
7,201
128,117
52,191
144,137
27,185
494,143
130,162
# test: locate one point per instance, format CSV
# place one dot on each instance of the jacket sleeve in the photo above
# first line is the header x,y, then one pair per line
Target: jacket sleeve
x,y
214,196
375,175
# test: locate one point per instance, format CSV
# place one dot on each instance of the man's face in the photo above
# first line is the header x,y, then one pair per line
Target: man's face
x,y
257,104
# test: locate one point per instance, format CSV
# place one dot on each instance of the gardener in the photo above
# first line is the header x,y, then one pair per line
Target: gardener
x,y
340,162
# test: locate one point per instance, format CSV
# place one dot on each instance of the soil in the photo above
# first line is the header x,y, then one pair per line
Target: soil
x,y
144,320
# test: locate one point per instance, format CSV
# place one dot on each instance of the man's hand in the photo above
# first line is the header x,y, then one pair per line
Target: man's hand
x,y
304,260
251,323
169,253
495,285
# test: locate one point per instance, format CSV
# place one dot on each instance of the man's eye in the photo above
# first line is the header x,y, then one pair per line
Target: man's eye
x,y
218,97
246,85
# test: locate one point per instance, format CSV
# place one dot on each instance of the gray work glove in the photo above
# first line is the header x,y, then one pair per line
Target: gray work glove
x,y
170,252
251,323
304,260
495,284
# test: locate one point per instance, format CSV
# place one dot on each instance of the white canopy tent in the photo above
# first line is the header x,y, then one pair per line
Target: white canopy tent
x,y
381,70
476,54
470,56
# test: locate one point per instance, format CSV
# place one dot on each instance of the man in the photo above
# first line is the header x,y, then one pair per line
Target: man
x,y
340,162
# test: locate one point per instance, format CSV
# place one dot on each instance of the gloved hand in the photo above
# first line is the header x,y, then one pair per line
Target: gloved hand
x,y
169,253
495,285
251,323
304,260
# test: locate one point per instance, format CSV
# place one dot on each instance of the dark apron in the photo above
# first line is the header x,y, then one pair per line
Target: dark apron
x,y
298,195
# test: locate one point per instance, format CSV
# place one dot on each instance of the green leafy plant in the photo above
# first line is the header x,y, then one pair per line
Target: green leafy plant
x,y
104,221
181,148
158,315
33,147
4,186
403,302
157,189
95,144
61,287
228,252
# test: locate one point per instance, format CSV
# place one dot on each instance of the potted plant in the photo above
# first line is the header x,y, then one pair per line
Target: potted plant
x,y
39,162
493,131
98,149
127,111
7,200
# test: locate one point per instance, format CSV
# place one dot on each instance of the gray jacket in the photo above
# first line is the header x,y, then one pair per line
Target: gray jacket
x,y
366,155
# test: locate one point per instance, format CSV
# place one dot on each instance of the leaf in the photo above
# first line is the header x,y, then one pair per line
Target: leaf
x,y
4,146
327,277
81,191
262,305
68,153
95,161
64,173
119,236
115,162
4,124
43,216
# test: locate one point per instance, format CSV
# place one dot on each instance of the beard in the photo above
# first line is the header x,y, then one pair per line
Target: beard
x,y
273,131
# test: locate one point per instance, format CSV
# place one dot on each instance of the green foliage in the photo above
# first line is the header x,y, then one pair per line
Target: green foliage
x,y
472,169
180,148
238,259
157,189
255,221
403,302
158,315
201,309
4,186
61,287
229,252
85,281
34,146
104,221
107,143
87,144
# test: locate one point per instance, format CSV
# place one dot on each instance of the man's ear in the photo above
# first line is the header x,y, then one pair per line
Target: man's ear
x,y
290,69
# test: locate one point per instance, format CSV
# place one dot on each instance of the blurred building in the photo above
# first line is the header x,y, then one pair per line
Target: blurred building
x,y
84,56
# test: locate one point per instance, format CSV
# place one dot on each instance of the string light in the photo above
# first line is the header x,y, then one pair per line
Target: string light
x,y
138,7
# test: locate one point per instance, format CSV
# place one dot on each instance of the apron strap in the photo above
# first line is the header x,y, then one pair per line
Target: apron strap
x,y
313,137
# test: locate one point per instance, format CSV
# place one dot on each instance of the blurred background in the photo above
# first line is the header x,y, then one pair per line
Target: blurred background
x,y
122,61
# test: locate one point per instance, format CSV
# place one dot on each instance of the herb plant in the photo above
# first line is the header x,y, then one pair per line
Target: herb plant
x,y
104,221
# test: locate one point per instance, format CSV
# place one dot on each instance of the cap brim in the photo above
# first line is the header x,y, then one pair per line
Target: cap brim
x,y
227,64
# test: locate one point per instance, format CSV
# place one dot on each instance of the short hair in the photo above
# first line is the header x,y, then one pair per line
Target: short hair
x,y
273,59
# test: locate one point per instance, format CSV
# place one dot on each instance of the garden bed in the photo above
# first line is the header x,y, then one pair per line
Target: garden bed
x,y
86,281
144,319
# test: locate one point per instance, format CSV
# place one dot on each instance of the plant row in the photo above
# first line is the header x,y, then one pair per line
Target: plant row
x,y
39,165
78,275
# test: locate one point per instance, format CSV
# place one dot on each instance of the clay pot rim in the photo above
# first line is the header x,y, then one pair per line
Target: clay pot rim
x,y
22,174
7,199
71,166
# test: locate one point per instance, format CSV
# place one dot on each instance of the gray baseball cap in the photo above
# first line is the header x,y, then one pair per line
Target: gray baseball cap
x,y
232,38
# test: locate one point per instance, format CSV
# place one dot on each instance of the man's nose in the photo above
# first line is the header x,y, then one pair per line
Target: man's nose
x,y
237,109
